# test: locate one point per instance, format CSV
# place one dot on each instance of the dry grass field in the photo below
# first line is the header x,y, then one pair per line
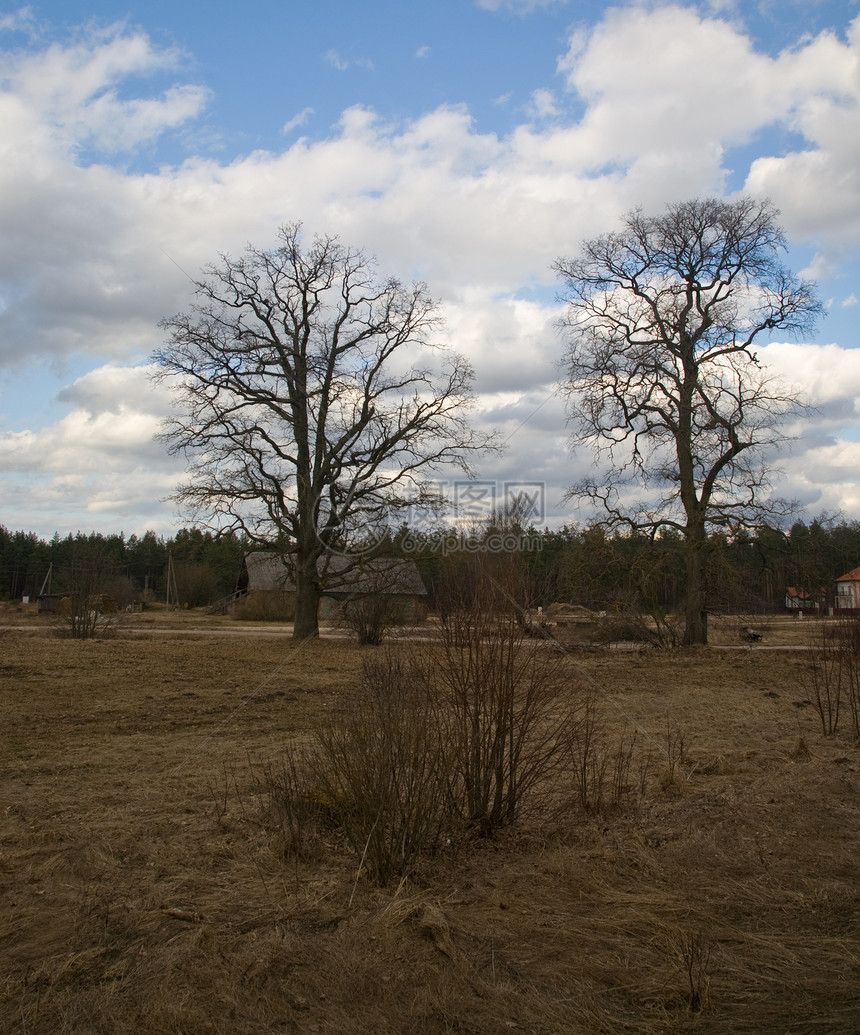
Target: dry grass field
x,y
143,892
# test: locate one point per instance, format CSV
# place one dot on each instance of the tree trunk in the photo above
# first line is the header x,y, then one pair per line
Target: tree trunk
x,y
695,607
306,623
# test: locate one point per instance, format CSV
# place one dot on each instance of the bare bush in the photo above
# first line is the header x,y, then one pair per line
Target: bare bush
x,y
88,612
369,618
122,590
196,584
381,599
468,732
667,627
505,702
382,768
823,675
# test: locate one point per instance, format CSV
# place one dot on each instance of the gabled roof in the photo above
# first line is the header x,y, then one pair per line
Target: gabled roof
x,y
799,593
266,571
852,576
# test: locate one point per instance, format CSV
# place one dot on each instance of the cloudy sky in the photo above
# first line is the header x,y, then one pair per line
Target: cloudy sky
x,y
465,142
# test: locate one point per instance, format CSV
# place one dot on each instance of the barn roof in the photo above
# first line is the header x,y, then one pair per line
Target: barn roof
x,y
266,571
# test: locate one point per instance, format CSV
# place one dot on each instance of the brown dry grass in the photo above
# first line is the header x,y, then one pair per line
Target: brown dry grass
x,y
140,892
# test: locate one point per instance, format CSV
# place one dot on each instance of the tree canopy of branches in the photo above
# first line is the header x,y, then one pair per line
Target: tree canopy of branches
x,y
661,375
312,402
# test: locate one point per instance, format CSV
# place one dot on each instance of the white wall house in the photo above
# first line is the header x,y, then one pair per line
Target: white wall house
x,y
848,590
797,599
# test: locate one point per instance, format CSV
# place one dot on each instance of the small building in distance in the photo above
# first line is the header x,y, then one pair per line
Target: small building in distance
x,y
798,601
394,577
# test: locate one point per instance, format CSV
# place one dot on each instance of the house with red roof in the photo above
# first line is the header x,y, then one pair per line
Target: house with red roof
x,y
848,591
797,599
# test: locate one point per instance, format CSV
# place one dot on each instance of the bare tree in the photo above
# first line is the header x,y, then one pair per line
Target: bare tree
x,y
312,402
662,379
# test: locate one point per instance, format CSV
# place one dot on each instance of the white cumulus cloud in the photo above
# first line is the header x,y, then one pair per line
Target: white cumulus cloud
x,y
93,255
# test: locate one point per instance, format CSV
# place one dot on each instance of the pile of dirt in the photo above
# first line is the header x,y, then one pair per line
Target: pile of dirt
x,y
561,612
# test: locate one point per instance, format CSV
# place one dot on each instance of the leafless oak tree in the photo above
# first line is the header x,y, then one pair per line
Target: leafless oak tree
x,y
661,374
312,402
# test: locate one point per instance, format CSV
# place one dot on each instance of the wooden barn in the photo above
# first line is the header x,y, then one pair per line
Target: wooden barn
x,y
393,577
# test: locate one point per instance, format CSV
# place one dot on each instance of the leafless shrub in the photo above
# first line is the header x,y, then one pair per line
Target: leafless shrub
x,y
823,675
467,732
122,590
504,702
219,791
464,733
85,618
668,627
382,599
87,611
371,617
382,768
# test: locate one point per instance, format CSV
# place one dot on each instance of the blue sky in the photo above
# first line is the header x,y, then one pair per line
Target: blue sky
x,y
467,142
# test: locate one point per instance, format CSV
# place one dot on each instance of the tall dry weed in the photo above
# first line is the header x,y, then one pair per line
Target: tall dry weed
x,y
605,773
695,953
292,805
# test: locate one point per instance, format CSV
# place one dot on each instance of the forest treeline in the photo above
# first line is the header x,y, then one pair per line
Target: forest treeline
x,y
204,567
575,564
